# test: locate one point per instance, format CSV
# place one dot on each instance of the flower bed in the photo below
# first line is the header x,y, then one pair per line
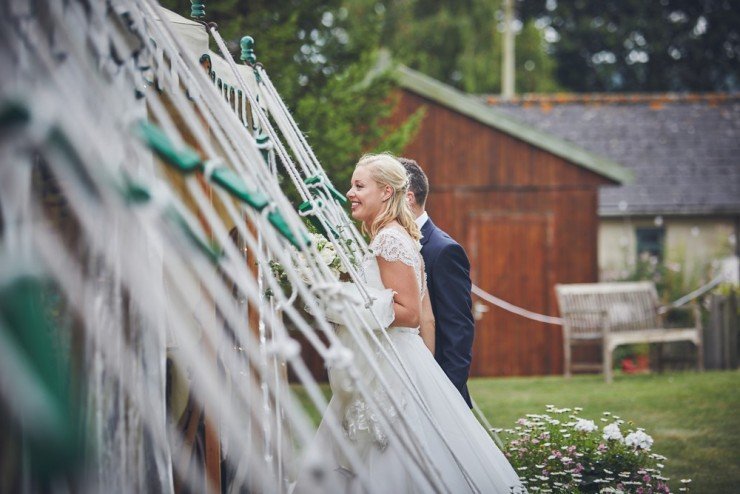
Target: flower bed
x,y
560,452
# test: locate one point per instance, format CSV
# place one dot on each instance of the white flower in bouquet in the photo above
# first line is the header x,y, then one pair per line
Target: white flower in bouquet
x,y
584,425
325,248
612,432
639,439
301,265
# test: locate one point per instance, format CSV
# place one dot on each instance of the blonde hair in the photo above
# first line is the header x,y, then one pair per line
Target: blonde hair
x,y
385,169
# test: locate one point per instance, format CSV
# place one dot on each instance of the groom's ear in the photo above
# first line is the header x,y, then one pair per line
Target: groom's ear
x,y
410,198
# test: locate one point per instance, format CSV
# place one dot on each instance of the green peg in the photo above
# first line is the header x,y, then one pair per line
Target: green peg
x,y
59,140
206,63
184,159
307,209
211,251
197,9
247,45
316,179
234,185
28,332
134,192
276,219
262,143
14,113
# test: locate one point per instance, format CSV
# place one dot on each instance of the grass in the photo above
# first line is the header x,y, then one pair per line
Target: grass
x,y
693,417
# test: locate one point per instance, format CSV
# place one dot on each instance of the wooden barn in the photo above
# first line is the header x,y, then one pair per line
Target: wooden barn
x,y
523,203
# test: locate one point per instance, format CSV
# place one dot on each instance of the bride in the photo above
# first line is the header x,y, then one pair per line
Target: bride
x,y
463,457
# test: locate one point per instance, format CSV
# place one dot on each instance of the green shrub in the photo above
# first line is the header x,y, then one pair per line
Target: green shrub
x,y
560,452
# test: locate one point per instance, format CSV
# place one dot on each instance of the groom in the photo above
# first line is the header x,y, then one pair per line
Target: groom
x,y
448,281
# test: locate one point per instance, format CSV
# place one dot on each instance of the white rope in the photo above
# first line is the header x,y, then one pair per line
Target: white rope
x,y
328,333
514,309
369,357
695,294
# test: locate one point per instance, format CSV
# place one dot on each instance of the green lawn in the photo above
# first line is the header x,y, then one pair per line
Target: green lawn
x,y
693,417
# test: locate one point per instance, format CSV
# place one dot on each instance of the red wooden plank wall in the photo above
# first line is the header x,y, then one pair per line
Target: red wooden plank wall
x,y
527,218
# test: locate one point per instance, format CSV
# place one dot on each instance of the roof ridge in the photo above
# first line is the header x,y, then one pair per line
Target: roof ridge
x,y
477,109
661,98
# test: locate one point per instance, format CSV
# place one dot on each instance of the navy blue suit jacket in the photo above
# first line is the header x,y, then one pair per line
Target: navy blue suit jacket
x,y
448,281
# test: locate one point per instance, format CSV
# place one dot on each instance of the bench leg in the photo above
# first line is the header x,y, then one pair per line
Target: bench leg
x,y
608,363
567,358
699,356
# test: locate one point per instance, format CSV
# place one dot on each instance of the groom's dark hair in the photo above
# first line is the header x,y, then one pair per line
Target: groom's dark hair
x,y
418,182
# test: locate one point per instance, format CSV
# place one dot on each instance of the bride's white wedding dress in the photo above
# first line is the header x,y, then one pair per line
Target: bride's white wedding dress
x,y
469,462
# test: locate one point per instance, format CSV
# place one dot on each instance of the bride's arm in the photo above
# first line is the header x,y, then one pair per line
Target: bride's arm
x,y
400,278
427,323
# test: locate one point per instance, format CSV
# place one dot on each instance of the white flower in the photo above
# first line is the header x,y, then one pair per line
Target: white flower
x,y
327,254
301,264
639,440
612,432
342,268
585,425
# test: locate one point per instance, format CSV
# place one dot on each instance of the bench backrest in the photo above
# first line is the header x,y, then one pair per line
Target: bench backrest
x,y
625,305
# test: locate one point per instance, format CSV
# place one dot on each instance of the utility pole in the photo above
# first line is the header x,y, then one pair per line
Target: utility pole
x,y
507,64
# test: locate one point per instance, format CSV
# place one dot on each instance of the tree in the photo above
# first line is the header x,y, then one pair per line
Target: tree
x,y
633,45
460,42
318,54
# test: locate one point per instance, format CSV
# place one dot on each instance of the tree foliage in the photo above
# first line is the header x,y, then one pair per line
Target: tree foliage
x,y
318,54
634,45
460,42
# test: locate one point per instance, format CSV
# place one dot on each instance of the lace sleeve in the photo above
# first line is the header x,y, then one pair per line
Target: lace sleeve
x,y
392,245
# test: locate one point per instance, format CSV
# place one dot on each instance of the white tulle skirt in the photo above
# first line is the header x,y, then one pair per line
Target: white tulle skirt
x,y
467,460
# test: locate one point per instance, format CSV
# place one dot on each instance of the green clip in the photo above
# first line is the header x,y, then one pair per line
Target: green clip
x,y
212,252
134,192
307,209
14,113
277,220
185,159
59,140
316,179
234,185
205,62
247,46
262,140
197,9
55,443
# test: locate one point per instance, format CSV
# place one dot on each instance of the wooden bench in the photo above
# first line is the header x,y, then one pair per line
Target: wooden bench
x,y
618,314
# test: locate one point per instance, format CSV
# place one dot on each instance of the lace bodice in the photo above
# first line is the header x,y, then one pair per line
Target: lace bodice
x,y
392,243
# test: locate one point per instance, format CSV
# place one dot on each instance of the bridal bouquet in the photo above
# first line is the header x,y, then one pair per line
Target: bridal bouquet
x,y
327,255
559,451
